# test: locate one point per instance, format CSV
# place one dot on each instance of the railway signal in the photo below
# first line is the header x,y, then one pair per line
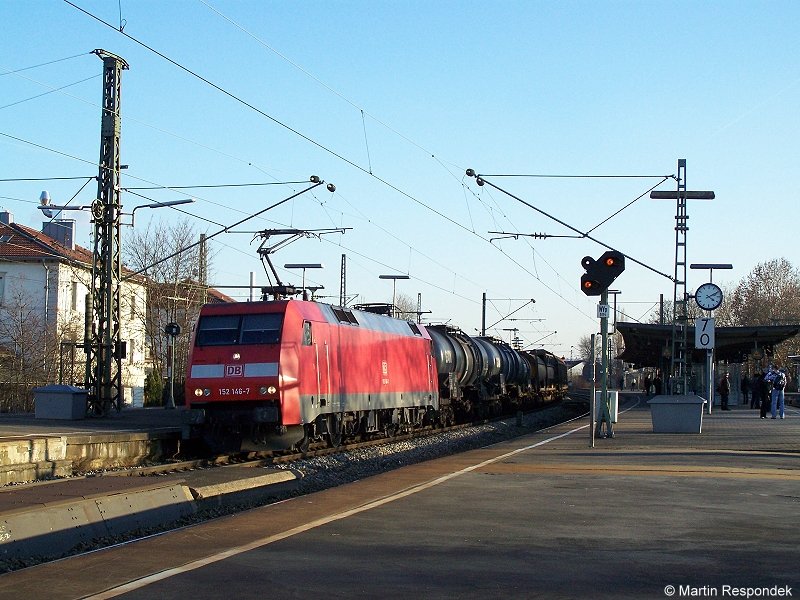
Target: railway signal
x,y
601,273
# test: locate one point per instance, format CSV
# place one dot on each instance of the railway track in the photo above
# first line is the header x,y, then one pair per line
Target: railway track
x,y
273,458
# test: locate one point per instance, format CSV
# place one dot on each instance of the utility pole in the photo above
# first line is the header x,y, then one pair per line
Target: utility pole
x,y
203,269
343,281
104,347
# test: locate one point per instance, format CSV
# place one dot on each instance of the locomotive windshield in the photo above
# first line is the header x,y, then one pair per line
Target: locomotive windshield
x,y
232,330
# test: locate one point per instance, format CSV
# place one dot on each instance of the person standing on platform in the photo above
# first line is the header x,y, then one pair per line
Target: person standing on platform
x,y
778,385
725,390
765,387
755,385
745,388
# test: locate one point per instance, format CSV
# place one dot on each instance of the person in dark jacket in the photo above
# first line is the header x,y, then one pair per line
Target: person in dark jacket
x,y
745,388
755,384
725,390
766,392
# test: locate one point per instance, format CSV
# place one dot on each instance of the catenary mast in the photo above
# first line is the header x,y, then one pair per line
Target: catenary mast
x,y
103,344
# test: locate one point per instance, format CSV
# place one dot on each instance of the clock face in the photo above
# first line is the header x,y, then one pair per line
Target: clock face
x,y
708,296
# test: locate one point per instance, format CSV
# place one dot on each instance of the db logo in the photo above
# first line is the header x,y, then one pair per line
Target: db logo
x,y
234,371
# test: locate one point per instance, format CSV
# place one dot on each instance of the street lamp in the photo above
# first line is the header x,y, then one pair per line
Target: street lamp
x,y
394,279
304,266
50,210
158,205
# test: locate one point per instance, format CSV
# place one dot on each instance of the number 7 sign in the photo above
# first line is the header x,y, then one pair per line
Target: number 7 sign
x,y
704,333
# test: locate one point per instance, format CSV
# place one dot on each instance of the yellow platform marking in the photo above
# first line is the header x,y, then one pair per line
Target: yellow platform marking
x,y
645,470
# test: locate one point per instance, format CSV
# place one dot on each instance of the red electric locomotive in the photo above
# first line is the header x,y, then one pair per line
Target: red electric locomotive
x,y
278,374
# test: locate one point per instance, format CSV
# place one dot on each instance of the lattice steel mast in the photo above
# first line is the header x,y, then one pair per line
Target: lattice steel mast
x,y
104,348
680,318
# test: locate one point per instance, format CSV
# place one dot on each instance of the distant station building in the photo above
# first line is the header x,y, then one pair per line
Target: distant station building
x,y
650,346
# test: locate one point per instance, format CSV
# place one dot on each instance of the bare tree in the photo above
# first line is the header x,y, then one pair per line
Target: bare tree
x,y
769,295
23,356
174,294
406,307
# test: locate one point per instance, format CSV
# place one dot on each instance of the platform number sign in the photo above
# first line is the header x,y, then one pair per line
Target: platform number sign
x,y
704,333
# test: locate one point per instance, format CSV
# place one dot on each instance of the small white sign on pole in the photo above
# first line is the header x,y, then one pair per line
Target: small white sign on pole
x,y
704,333
603,311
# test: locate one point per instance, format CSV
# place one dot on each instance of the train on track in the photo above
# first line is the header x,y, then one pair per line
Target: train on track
x,y
284,373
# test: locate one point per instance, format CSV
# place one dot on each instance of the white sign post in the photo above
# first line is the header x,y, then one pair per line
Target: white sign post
x,y
704,338
704,333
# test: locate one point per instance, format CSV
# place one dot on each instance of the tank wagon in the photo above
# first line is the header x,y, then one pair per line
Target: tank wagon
x,y
281,374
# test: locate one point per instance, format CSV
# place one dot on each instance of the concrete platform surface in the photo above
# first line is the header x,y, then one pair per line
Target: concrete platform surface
x,y
643,515
26,425
52,518
32,449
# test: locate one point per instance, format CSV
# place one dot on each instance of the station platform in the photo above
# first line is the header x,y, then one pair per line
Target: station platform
x,y
642,515
32,448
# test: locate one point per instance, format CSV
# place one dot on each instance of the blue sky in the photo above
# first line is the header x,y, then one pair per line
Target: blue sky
x,y
398,99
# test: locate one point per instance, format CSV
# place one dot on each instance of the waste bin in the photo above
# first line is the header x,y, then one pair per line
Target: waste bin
x,y
677,414
59,402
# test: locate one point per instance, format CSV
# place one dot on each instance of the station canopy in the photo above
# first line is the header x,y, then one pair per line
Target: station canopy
x,y
648,345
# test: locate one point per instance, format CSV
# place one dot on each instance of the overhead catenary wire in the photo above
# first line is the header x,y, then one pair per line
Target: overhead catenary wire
x,y
345,159
44,64
482,178
127,174
51,91
317,183
380,179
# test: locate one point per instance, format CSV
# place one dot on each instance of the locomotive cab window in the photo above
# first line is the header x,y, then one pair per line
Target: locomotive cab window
x,y
261,329
307,338
231,330
218,330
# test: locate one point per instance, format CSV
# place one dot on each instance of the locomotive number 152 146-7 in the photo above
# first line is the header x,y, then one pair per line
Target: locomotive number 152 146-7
x,y
242,391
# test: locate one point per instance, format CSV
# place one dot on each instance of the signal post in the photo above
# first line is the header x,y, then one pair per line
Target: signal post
x,y
599,276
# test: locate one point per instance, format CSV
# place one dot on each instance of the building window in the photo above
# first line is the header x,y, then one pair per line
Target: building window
x,y
74,295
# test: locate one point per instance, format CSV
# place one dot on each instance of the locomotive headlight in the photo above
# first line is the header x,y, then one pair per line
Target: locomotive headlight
x,y
262,390
272,389
267,390
206,392
198,392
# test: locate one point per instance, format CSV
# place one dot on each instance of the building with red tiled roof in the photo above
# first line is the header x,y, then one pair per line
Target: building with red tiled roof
x,y
44,281
49,276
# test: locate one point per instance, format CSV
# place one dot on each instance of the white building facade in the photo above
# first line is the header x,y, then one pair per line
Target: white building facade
x,y
44,280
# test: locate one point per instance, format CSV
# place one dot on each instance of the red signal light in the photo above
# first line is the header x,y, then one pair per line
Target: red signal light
x,y
601,272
